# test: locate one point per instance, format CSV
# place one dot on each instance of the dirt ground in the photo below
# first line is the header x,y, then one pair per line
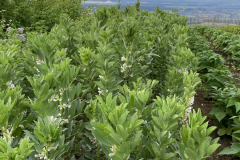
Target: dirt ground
x,y
206,105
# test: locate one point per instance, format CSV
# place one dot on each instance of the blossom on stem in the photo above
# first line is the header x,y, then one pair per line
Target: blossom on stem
x,y
20,30
191,101
123,67
123,59
100,91
52,118
8,30
10,85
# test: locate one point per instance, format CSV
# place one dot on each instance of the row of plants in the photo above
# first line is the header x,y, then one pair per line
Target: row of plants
x,y
115,84
225,42
38,15
220,86
231,29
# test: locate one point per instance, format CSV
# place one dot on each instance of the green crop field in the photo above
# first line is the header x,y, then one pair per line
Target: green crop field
x,y
115,84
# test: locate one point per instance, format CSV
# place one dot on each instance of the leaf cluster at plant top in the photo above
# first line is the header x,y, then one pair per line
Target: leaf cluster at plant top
x,y
115,84
219,83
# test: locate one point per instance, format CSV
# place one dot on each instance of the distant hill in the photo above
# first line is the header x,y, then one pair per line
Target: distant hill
x,y
180,2
192,8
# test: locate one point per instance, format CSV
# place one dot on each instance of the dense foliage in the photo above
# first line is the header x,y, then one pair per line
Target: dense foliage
x,y
38,15
115,84
231,29
219,81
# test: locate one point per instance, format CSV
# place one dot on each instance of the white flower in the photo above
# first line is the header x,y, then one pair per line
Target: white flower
x,y
52,118
64,121
38,62
112,148
101,77
60,107
21,126
123,67
41,156
191,101
111,154
100,91
169,134
123,59
189,110
21,30
10,85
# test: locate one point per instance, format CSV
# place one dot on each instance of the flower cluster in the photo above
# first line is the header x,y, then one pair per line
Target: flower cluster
x,y
21,126
113,149
191,101
101,91
64,121
42,155
124,67
52,119
10,85
20,30
123,59
21,36
64,106
9,30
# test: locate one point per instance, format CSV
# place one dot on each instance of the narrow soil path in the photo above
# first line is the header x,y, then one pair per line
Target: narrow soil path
x,y
206,106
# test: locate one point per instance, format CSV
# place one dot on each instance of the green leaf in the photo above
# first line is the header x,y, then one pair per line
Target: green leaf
x,y
219,114
115,139
236,147
197,136
212,148
131,102
227,150
232,102
191,154
203,147
16,123
237,105
221,131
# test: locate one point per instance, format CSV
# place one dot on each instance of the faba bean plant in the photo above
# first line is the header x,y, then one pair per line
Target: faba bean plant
x,y
115,84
